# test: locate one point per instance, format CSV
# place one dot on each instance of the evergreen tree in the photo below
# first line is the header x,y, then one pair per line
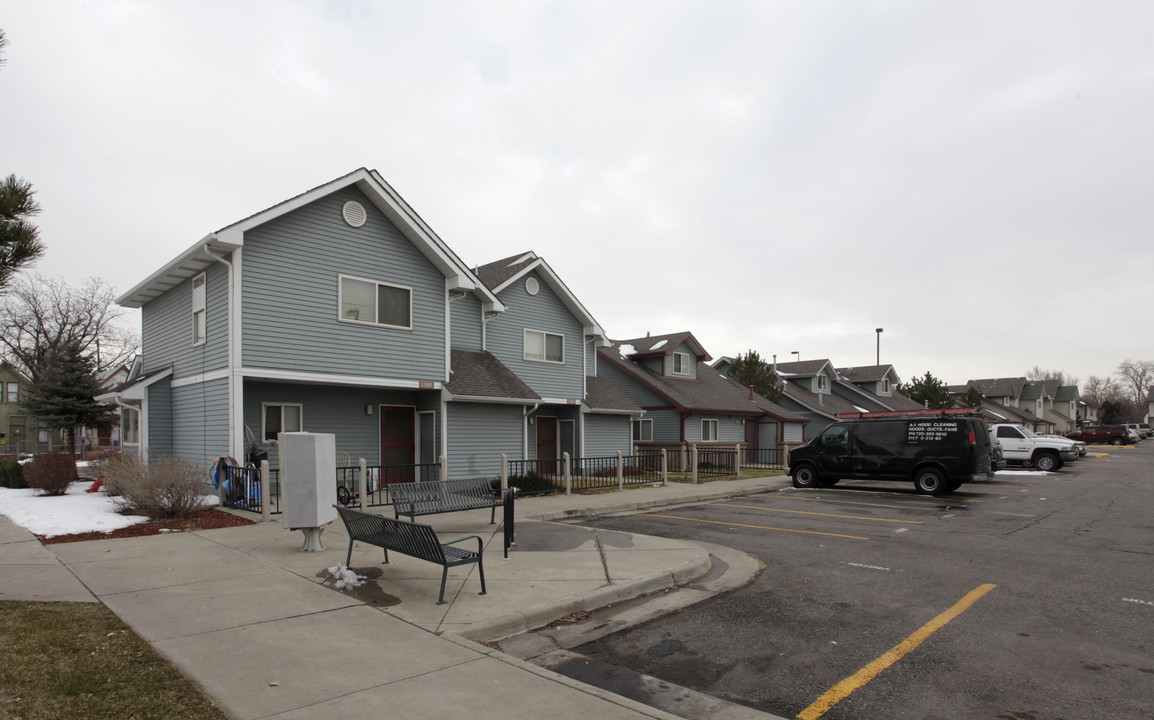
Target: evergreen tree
x,y
65,395
19,238
929,391
972,398
750,369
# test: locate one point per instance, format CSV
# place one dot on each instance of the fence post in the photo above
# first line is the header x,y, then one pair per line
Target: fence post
x,y
565,473
737,461
265,491
620,472
683,459
664,468
693,459
363,466
504,472
220,487
443,470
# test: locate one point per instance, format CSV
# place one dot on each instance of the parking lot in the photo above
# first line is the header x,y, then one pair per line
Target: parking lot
x,y
1030,596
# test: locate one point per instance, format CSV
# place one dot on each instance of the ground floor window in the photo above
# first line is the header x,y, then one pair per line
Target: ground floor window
x,y
129,426
642,431
281,417
708,431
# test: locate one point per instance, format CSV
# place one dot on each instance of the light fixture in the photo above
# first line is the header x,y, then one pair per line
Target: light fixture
x,y
368,409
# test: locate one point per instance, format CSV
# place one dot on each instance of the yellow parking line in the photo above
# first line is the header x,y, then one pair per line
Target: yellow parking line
x,y
880,505
844,688
803,512
757,527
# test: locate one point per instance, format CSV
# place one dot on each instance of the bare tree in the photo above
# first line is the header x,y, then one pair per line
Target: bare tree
x,y
1098,390
39,316
1037,373
1135,377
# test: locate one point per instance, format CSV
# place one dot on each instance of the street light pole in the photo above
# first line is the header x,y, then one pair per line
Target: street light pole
x,y
796,352
879,357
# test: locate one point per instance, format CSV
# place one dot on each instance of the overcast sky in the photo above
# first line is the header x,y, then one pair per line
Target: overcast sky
x,y
977,178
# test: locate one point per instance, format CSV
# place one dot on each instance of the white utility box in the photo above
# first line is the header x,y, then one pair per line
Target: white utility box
x,y
308,473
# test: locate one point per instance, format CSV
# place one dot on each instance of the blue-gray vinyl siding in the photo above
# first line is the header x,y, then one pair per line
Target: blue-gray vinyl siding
x,y
478,434
465,323
166,328
505,338
606,435
666,425
200,421
336,410
160,419
729,429
629,387
682,348
290,295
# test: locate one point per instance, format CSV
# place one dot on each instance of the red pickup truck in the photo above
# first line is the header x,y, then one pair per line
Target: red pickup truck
x,y
1102,435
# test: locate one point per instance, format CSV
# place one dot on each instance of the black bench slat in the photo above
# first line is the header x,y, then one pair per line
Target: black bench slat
x,y
412,539
430,497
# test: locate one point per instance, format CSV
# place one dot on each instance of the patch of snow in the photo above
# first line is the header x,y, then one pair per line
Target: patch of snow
x,y
523,258
859,408
346,578
626,350
658,344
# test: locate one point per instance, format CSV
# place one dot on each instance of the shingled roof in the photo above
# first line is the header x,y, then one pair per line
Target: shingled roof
x,y
481,374
601,395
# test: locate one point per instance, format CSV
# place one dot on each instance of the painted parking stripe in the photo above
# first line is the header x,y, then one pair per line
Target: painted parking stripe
x,y
846,687
833,515
934,508
1136,600
757,527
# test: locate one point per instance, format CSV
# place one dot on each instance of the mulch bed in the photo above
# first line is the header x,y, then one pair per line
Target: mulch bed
x,y
203,520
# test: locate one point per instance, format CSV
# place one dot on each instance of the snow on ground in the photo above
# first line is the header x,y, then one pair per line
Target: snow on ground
x,y
75,512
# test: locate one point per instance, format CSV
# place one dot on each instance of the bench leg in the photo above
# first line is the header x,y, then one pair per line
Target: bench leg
x,y
386,562
349,557
493,515
444,576
481,571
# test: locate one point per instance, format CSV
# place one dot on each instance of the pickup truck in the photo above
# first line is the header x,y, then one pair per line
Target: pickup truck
x,y
1022,445
1102,435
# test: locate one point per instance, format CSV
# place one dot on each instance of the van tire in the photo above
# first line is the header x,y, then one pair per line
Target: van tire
x,y
930,482
827,482
805,476
1048,462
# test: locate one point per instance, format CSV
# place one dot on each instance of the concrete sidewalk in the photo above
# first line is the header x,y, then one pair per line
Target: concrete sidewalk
x,y
259,625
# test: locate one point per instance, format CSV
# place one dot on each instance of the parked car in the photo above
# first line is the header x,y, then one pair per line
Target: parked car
x,y
1146,429
1102,435
938,454
1079,446
1134,436
1022,445
1137,428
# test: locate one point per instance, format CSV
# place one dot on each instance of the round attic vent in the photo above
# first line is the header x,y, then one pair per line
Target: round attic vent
x,y
532,286
354,213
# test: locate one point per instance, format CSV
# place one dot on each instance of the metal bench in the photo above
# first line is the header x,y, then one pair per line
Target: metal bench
x,y
430,497
412,539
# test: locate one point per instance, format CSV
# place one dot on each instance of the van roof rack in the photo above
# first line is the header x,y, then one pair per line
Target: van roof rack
x,y
945,412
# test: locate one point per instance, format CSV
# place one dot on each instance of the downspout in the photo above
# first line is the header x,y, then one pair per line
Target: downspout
x,y
236,445
525,428
452,295
585,366
486,316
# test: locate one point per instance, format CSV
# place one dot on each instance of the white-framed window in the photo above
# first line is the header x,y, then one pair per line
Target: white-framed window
x,y
885,386
708,431
822,383
543,346
13,394
280,417
129,426
681,363
199,312
643,430
375,303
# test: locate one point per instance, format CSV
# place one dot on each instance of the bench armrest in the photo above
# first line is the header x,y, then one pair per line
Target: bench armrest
x,y
467,537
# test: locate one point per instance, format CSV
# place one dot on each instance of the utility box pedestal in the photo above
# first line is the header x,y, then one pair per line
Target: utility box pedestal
x,y
308,471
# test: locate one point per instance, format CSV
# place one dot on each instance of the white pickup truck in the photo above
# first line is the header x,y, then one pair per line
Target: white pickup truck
x,y
1022,445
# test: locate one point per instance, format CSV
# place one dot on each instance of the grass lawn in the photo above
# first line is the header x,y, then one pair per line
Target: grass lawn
x,y
79,661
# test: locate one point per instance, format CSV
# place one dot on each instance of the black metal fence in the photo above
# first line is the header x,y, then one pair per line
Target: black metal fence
x,y
716,462
763,458
536,477
240,489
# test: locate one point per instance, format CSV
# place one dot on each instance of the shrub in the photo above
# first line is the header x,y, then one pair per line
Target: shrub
x,y
166,488
51,473
12,474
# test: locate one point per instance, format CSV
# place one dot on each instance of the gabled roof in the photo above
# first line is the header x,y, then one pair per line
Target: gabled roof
x,y
498,275
205,252
713,391
658,345
999,387
804,368
870,373
1066,393
482,375
601,395
826,404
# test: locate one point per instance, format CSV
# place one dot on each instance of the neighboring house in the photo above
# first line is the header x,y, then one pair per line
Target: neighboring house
x,y
109,381
341,311
1149,404
820,392
1043,406
18,431
687,401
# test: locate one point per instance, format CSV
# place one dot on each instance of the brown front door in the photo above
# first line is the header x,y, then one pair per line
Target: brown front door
x,y
546,444
751,441
398,442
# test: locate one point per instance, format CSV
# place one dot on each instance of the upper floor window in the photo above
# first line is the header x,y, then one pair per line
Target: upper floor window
x,y
376,303
708,431
822,383
544,346
281,417
885,386
13,394
642,431
681,363
199,304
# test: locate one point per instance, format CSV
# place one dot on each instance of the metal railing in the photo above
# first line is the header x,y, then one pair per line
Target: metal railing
x,y
716,462
763,458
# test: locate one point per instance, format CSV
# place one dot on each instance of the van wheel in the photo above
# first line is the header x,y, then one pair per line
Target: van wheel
x,y
805,476
930,482
827,482
1117,441
1048,462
